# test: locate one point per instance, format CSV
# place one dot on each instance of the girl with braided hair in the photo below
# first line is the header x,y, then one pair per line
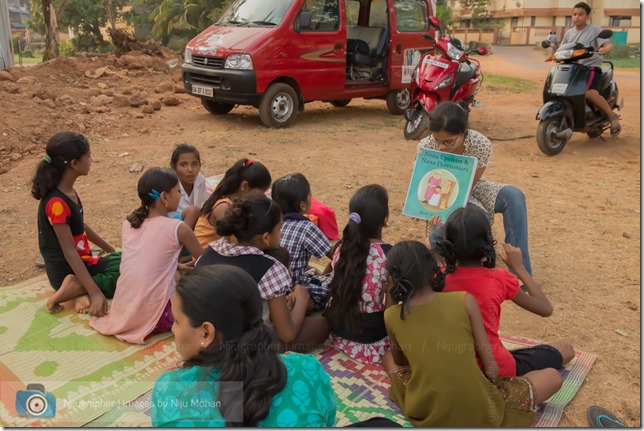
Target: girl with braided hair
x,y
232,374
151,244
64,237
435,339
470,260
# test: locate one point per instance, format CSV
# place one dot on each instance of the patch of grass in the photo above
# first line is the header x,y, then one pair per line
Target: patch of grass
x,y
515,84
27,60
626,63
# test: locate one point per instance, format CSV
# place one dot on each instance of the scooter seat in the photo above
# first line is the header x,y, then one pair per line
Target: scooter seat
x,y
465,73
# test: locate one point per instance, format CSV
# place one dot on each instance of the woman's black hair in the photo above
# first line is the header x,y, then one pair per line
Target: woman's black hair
x,y
467,239
61,149
153,180
450,117
248,170
412,268
183,149
289,191
255,214
371,203
245,348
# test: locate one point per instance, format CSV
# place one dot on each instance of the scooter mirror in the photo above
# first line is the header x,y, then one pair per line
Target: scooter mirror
x,y
482,50
434,22
545,44
605,34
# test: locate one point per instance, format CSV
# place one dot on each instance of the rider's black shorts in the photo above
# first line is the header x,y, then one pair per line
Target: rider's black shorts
x,y
595,78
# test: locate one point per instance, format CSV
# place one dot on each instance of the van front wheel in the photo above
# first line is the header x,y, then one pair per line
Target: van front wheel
x,y
216,108
279,106
398,101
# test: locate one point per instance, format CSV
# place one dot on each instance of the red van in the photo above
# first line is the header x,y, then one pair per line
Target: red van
x,y
276,55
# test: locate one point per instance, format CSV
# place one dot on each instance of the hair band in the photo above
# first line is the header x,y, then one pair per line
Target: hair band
x,y
355,217
47,158
154,195
248,163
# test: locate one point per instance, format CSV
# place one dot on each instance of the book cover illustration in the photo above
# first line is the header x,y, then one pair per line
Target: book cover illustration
x,y
440,183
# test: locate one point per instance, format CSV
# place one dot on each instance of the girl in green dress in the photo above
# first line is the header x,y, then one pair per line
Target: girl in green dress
x,y
434,338
232,374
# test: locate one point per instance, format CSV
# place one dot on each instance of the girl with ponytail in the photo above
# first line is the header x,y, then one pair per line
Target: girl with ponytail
x,y
358,287
470,260
244,176
63,235
151,244
232,374
435,339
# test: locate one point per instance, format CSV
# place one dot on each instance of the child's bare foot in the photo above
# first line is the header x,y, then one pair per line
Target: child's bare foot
x,y
53,306
81,304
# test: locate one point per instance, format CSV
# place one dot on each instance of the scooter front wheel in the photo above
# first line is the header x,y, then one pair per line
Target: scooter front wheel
x,y
552,135
418,126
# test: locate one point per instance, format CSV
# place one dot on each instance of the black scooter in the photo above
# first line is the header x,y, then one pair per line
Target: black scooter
x,y
564,95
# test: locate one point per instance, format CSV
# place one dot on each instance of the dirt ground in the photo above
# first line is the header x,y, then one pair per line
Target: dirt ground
x,y
583,205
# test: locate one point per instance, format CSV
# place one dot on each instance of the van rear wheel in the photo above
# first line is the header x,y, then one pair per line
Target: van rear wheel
x,y
279,106
398,101
340,103
217,108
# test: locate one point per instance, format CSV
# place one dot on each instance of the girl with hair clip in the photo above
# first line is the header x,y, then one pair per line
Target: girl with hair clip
x,y
63,235
256,221
185,161
450,134
470,260
358,288
244,176
435,338
302,238
151,244
232,374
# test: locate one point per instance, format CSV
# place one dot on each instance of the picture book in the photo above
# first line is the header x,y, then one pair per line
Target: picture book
x,y
440,183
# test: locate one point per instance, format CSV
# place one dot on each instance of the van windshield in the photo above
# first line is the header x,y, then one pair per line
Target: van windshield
x,y
256,12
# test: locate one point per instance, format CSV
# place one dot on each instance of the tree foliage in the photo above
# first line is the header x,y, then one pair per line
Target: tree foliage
x,y
181,18
479,9
445,16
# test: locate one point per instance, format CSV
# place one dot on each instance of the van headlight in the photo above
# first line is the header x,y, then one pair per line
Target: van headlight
x,y
187,56
239,61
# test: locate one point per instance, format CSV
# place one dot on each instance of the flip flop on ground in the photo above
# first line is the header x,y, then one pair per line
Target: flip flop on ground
x,y
599,417
615,129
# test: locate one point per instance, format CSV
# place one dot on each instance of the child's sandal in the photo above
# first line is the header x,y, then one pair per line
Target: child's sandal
x,y
615,130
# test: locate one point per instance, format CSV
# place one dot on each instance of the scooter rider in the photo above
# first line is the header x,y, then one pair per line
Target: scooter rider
x,y
586,34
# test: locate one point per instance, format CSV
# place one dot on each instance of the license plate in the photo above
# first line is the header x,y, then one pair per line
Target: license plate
x,y
559,88
202,90
437,63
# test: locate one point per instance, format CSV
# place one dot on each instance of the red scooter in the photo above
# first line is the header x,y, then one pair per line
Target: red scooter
x,y
446,74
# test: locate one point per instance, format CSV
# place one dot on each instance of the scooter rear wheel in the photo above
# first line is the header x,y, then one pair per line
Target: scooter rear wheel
x,y
418,127
547,140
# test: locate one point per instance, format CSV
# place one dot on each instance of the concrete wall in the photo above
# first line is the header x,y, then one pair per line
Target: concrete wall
x,y
6,47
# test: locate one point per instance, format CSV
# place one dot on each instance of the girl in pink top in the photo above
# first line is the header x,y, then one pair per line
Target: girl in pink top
x,y
151,245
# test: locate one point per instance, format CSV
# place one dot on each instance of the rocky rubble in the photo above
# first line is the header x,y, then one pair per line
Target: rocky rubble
x,y
75,94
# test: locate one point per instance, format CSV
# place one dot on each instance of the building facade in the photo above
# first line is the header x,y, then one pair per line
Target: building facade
x,y
524,22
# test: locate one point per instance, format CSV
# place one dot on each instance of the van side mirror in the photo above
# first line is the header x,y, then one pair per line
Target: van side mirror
x,y
304,20
605,34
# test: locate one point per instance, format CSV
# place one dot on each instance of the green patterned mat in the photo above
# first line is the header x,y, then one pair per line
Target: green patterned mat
x,y
86,374
100,381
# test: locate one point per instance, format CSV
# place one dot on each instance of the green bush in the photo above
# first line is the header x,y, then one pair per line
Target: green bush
x,y
178,43
28,53
619,51
67,49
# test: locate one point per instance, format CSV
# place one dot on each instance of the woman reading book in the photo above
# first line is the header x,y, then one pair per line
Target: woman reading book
x,y
450,134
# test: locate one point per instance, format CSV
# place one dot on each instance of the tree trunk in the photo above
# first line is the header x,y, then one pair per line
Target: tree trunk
x,y
52,49
112,14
